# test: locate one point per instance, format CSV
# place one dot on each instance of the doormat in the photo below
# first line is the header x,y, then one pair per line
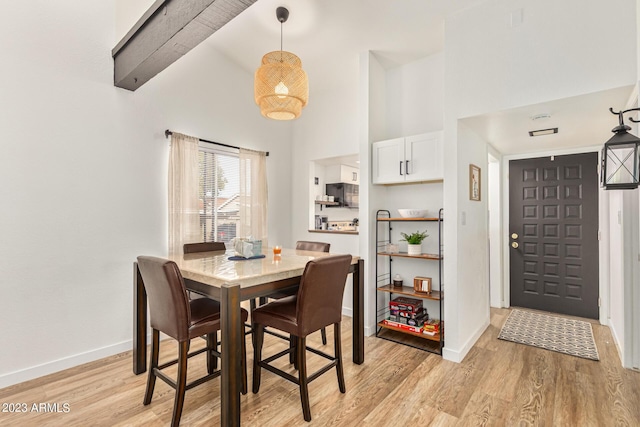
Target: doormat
x,y
568,336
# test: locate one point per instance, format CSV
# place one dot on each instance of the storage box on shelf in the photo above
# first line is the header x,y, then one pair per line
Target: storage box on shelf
x,y
404,314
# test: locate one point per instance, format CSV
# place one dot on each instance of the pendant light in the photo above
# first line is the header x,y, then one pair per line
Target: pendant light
x,y
281,88
621,157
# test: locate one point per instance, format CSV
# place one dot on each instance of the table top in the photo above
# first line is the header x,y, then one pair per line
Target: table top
x,y
215,268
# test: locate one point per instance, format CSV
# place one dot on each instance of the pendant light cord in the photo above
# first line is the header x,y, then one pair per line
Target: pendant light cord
x,y
281,41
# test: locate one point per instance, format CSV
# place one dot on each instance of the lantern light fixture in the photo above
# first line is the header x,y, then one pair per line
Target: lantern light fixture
x,y
281,87
621,156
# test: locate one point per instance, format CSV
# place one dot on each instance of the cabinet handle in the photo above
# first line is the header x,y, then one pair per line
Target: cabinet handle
x,y
406,167
400,167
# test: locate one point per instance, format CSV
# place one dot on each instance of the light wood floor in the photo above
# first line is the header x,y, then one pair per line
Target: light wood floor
x,y
498,384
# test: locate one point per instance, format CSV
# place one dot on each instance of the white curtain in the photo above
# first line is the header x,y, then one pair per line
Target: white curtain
x,y
253,195
184,215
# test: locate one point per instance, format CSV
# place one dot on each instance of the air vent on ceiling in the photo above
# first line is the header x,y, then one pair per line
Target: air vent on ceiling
x,y
543,132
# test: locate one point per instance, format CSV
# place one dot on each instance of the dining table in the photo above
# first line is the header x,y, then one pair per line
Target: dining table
x,y
221,276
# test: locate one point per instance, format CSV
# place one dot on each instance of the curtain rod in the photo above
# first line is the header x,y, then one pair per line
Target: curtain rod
x,y
167,133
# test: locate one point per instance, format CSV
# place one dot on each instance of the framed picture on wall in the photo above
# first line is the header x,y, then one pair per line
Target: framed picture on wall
x,y
474,183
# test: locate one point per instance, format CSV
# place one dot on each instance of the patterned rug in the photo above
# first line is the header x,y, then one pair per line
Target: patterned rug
x,y
568,336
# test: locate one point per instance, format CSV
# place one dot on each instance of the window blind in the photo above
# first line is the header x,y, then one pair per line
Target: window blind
x,y
219,185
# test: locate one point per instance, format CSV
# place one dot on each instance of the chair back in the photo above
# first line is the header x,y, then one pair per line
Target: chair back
x,y
319,302
169,309
303,245
190,248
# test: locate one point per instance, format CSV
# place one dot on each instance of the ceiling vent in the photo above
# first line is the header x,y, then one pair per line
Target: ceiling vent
x,y
543,132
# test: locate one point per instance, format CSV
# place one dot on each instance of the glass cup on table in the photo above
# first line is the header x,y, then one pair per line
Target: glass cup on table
x,y
277,257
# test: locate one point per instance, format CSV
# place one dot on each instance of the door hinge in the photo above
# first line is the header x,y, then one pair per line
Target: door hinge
x,y
599,235
599,301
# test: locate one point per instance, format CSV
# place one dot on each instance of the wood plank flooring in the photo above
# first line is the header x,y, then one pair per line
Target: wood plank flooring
x,y
498,384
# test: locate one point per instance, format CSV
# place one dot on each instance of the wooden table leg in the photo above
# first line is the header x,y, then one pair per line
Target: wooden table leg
x,y
139,322
231,380
358,313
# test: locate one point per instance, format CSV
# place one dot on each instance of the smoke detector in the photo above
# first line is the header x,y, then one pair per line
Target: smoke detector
x,y
541,116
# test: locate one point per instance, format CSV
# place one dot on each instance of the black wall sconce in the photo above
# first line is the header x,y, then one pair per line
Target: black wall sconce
x,y
621,157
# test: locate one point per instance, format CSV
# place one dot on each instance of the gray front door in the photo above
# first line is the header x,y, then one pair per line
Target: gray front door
x,y
553,234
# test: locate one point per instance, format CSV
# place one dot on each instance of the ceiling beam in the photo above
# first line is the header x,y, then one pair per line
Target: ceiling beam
x,y
168,30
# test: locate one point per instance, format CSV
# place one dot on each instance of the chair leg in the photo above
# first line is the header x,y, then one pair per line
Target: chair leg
x,y
301,354
338,354
153,364
212,360
243,343
258,337
323,331
293,343
181,383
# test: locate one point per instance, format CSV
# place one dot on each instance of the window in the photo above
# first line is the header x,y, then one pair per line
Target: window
x,y
218,192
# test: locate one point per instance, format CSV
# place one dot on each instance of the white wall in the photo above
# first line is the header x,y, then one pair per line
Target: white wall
x,y
494,206
83,173
560,49
415,96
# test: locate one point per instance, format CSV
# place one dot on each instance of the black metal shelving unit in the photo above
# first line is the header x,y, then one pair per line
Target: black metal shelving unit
x,y
384,286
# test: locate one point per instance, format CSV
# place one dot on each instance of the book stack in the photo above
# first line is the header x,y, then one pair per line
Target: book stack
x,y
407,311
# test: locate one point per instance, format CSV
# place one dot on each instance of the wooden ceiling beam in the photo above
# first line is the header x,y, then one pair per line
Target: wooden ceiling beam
x,y
168,30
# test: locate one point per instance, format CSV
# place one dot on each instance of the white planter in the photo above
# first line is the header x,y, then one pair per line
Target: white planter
x,y
414,249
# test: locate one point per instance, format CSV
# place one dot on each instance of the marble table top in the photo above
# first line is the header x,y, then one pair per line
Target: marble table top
x,y
215,268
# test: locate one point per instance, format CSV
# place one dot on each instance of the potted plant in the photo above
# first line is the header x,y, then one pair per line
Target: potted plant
x,y
414,242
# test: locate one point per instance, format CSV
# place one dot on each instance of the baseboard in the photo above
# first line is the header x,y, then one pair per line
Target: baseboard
x,y
459,355
38,371
616,340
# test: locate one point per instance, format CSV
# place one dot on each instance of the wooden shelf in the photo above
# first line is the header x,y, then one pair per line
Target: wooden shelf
x,y
435,337
333,231
320,202
406,255
396,331
405,290
407,219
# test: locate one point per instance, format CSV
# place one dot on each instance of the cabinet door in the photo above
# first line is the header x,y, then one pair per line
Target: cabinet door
x,y
351,195
349,174
388,161
424,157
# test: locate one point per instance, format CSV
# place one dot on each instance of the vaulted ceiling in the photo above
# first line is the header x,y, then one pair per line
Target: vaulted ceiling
x,y
328,35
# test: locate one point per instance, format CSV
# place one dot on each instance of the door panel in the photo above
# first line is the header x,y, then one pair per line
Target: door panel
x,y
553,234
424,156
388,161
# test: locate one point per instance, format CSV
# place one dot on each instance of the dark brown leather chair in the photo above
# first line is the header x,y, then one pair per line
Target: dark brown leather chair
x,y
318,304
172,313
302,245
190,248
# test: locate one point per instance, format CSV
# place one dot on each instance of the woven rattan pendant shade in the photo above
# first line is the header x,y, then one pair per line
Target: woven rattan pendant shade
x,y
281,87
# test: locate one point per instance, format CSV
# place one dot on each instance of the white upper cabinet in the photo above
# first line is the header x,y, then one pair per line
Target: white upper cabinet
x,y
342,173
349,174
410,159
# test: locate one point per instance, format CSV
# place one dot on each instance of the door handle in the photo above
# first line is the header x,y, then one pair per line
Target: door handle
x,y
514,245
514,236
